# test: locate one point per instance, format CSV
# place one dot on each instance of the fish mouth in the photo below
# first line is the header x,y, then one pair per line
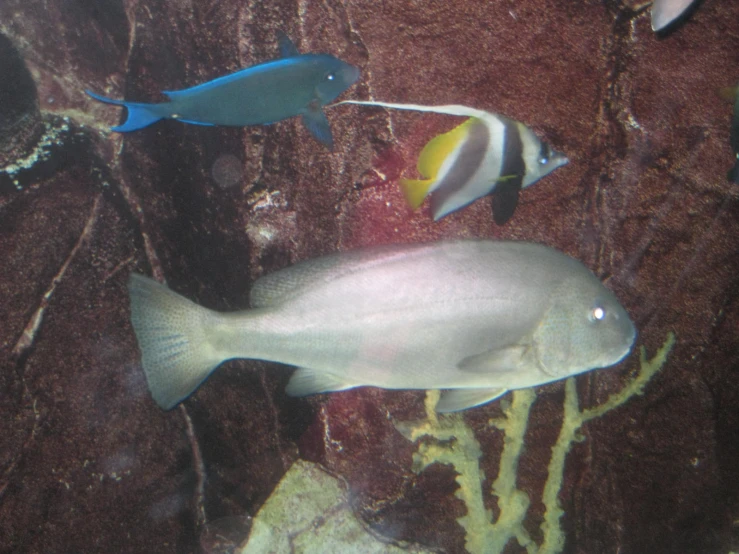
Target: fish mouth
x,y
622,346
630,338
560,159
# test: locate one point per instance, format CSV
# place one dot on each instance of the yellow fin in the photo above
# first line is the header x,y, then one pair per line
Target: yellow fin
x,y
504,178
415,190
438,149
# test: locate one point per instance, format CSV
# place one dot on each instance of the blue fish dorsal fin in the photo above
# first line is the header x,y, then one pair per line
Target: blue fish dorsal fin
x,y
173,94
287,47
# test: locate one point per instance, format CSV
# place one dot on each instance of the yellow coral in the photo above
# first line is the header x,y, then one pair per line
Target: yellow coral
x,y
453,442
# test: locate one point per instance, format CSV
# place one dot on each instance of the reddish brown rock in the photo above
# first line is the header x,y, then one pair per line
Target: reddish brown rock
x,y
88,463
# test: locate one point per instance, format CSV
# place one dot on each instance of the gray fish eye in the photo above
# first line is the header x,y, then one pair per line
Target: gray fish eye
x,y
597,314
330,76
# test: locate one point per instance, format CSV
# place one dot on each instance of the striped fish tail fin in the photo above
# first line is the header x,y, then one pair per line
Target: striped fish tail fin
x,y
415,190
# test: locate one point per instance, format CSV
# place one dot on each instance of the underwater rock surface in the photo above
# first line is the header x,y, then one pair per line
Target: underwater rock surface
x,y
310,512
20,119
88,463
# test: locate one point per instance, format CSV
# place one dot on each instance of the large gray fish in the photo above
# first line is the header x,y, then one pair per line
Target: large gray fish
x,y
296,84
474,317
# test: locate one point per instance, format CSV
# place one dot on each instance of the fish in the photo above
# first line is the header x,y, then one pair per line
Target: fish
x,y
665,12
296,84
732,95
488,154
474,318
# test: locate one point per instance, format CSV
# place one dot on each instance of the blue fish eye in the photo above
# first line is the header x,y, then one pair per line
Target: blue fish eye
x,y
330,76
543,161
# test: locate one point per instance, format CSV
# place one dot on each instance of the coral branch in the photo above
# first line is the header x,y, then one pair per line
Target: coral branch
x,y
513,503
573,419
453,443
647,370
449,440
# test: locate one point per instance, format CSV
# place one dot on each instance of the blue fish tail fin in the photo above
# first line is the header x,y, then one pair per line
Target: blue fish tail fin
x,y
140,114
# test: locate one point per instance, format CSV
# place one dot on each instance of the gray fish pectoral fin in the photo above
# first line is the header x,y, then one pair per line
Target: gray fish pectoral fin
x,y
317,124
505,197
454,400
307,381
287,47
500,360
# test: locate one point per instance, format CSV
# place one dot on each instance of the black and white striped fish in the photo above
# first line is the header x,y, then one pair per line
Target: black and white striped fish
x,y
487,154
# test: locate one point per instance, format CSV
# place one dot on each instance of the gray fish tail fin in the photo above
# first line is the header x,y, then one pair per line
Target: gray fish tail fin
x,y
172,333
140,114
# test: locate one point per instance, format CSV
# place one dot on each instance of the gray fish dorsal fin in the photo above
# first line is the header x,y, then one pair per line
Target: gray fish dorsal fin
x,y
287,47
283,285
454,400
307,381
500,360
274,288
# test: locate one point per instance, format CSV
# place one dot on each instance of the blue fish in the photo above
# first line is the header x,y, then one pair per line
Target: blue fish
x,y
296,84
